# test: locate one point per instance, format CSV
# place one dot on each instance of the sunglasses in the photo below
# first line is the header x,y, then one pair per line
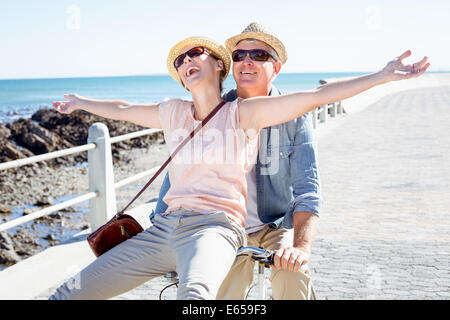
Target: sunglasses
x,y
192,53
255,55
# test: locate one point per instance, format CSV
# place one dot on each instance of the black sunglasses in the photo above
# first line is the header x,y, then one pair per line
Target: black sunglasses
x,y
194,52
255,55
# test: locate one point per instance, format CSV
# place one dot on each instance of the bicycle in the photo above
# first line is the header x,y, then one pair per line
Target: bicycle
x,y
265,260
262,256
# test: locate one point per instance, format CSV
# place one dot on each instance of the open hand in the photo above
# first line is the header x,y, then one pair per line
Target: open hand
x,y
396,70
68,107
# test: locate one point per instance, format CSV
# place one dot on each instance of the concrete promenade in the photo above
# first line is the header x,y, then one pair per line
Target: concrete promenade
x,y
384,229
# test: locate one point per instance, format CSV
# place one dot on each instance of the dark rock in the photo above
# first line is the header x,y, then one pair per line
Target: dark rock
x,y
36,138
24,252
22,236
50,220
50,237
27,212
8,255
56,131
9,151
4,131
44,201
5,209
75,128
56,215
5,241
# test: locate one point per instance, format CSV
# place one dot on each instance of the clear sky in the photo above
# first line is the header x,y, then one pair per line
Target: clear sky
x,y
69,38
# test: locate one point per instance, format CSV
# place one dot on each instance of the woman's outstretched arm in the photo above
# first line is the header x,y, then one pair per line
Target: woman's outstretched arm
x,y
146,115
260,112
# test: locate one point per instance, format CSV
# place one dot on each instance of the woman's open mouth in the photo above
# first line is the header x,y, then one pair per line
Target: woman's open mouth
x,y
191,70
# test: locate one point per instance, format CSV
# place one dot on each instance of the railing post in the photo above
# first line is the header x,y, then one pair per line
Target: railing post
x,y
101,176
333,110
314,116
323,112
339,107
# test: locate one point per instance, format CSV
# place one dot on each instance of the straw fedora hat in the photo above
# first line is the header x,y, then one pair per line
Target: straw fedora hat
x,y
216,48
256,31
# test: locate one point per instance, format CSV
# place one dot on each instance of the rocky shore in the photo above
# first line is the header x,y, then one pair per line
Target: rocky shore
x,y
33,187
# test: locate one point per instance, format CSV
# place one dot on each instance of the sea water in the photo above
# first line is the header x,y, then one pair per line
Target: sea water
x,y
20,98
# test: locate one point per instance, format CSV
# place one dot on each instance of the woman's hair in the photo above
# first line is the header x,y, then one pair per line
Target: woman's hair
x,y
222,73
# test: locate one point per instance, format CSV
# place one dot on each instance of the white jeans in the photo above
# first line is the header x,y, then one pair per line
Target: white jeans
x,y
201,248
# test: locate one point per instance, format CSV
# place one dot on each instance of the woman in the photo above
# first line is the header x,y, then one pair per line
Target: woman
x,y
204,224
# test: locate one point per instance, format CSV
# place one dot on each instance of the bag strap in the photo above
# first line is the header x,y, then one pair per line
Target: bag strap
x,y
186,140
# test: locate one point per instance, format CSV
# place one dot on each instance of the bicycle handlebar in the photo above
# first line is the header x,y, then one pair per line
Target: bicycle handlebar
x,y
258,254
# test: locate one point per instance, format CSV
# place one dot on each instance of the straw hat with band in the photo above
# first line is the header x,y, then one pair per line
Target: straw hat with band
x,y
214,47
257,32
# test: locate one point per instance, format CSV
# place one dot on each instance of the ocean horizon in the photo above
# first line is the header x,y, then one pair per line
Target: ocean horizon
x,y
21,98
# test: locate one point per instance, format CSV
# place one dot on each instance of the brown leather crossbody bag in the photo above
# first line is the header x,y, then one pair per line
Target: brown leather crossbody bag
x,y
123,226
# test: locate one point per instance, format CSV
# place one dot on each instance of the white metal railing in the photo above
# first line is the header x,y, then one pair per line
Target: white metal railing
x,y
101,176
332,110
47,156
46,211
323,112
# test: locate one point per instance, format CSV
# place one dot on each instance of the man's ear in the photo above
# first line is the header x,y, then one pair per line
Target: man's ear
x,y
277,67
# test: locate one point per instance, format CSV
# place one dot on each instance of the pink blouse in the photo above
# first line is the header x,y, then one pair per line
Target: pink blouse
x,y
209,173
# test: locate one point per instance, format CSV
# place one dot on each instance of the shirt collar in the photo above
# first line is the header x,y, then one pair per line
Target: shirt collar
x,y
232,94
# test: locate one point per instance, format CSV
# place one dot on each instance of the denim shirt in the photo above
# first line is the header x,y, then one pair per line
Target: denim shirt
x,y
287,174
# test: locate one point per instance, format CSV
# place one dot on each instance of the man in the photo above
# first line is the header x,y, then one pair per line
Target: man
x,y
283,187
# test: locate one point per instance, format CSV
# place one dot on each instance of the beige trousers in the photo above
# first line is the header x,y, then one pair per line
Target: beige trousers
x,y
286,285
201,248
